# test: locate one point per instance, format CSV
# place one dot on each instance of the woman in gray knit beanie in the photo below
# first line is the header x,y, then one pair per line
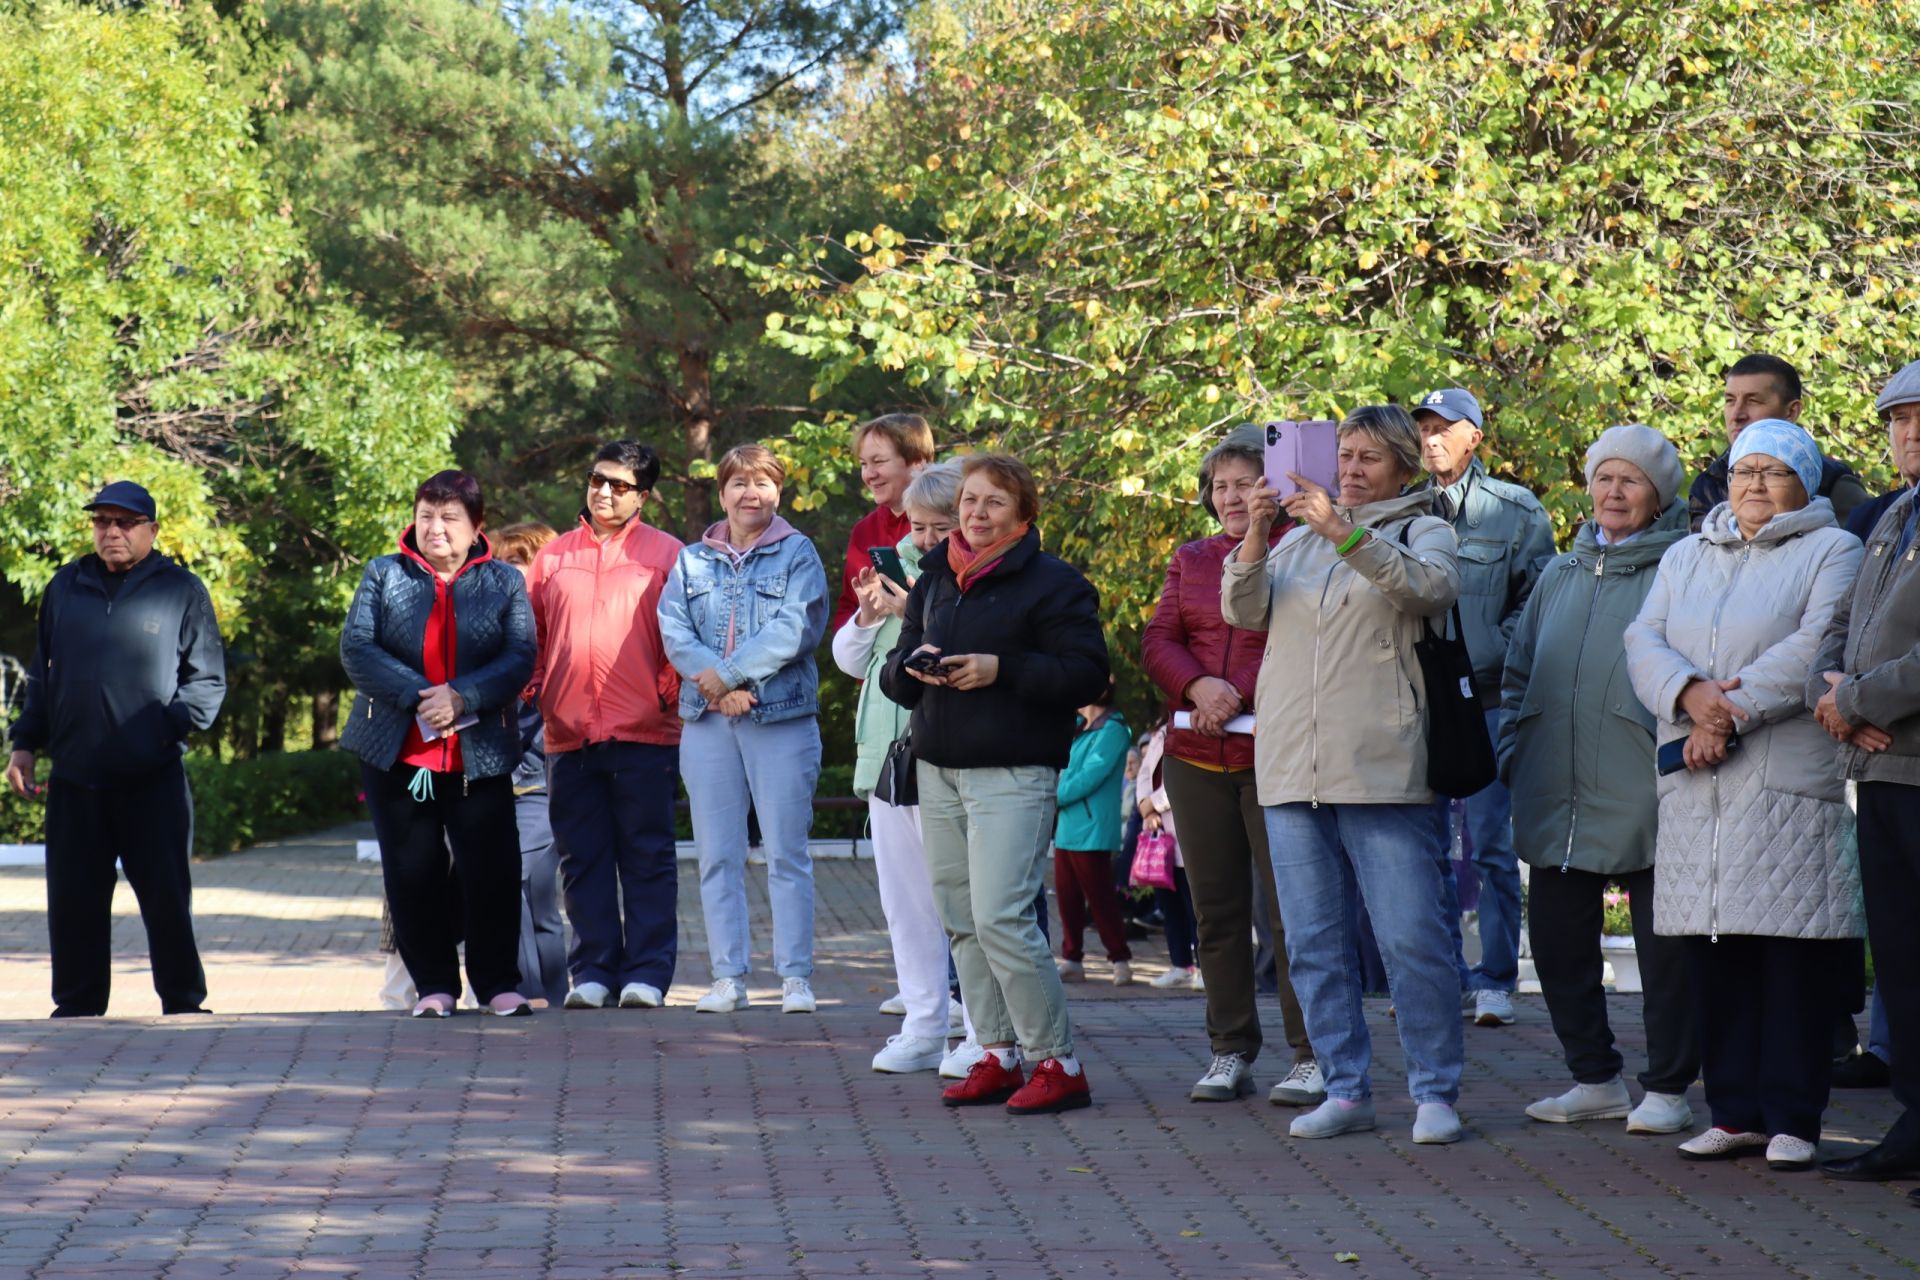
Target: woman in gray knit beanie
x,y
1576,748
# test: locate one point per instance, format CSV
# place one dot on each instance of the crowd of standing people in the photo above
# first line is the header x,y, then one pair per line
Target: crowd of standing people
x,y
1687,704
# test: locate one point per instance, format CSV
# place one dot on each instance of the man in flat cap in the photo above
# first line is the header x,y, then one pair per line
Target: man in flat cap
x,y
128,662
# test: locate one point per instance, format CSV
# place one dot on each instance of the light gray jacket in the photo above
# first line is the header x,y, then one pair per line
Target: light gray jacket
x,y
1761,844
1340,708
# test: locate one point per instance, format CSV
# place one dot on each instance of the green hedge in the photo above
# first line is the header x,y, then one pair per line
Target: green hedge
x,y
237,803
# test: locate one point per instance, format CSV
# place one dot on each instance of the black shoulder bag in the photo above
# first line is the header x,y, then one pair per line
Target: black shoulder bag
x,y
899,780
1460,758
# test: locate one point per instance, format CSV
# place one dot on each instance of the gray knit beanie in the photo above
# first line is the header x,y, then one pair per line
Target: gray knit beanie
x,y
1646,449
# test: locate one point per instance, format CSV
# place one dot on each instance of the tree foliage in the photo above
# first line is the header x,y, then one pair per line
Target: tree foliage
x,y
538,191
1158,217
158,323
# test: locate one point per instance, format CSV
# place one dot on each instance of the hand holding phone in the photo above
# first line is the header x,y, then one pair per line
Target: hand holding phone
x,y
886,560
1310,449
926,665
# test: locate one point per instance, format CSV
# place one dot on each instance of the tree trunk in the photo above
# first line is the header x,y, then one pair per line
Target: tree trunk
x,y
326,719
273,725
696,392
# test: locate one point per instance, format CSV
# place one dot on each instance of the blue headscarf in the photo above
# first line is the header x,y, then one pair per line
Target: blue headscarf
x,y
1787,441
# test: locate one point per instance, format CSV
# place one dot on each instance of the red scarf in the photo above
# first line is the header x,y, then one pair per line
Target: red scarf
x,y
968,565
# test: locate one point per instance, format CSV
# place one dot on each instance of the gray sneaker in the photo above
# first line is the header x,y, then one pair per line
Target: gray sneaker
x,y
1228,1077
1303,1087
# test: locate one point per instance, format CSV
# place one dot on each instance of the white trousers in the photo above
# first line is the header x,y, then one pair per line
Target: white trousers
x,y
906,898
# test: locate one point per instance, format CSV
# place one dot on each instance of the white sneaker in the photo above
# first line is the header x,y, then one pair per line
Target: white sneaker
x,y
640,995
1721,1144
1436,1122
1172,978
906,1053
1492,1009
956,1017
1331,1119
1228,1077
1607,1101
1199,983
588,995
727,995
1661,1113
960,1060
1304,1086
1071,970
796,996
1122,973
894,1006
1789,1154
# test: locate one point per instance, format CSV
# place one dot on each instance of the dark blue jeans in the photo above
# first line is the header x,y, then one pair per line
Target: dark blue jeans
x,y
543,934
612,814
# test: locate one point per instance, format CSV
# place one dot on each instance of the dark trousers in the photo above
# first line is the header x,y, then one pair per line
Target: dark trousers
x,y
1563,919
1890,876
1223,841
1176,908
147,823
1082,886
1765,1005
431,914
613,824
543,934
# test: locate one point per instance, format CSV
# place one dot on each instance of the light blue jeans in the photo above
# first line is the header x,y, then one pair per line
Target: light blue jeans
x,y
1323,859
726,763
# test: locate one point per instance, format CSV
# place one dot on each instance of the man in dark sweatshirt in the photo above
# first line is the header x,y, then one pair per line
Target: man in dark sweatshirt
x,y
128,662
1762,386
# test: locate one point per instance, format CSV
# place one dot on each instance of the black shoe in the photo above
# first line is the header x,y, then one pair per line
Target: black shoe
x,y
1876,1164
1913,1197
1861,1070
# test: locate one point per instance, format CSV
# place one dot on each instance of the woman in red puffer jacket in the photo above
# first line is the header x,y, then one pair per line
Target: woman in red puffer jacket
x,y
1207,669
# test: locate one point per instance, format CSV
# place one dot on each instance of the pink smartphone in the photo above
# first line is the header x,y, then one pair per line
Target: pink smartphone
x,y
1310,449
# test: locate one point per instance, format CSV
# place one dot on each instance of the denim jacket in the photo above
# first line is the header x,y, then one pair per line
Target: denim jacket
x,y
755,618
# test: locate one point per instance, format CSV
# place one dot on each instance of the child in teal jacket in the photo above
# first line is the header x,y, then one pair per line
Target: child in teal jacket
x,y
1086,835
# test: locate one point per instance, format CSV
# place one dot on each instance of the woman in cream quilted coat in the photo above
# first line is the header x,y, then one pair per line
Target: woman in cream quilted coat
x,y
1755,865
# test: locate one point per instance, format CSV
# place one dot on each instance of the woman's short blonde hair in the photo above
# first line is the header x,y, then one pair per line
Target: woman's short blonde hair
x,y
935,491
754,460
908,433
1390,427
518,544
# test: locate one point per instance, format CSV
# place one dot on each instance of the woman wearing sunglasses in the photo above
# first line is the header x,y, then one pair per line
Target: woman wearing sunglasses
x,y
607,696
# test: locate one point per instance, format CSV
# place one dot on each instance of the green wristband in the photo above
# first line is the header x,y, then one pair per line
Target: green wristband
x,y
1353,540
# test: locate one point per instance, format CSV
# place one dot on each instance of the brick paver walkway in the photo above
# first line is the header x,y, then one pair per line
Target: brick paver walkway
x,y
273,1140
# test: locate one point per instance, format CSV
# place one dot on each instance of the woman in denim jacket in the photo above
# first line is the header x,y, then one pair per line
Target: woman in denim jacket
x,y
741,615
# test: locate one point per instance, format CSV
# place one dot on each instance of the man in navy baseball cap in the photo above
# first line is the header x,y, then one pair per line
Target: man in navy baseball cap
x,y
128,662
1504,538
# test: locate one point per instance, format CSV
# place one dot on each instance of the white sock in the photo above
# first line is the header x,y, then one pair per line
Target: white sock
x,y
1009,1058
1069,1064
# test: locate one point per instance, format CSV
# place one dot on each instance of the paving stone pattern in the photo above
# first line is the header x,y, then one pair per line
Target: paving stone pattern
x,y
668,1144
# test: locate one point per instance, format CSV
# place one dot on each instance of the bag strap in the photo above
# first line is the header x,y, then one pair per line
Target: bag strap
x,y
1453,611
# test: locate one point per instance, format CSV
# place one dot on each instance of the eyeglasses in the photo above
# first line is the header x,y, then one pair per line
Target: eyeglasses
x,y
1771,476
119,522
619,488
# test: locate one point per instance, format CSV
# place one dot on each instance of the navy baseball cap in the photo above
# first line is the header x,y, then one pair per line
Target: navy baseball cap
x,y
1453,404
128,496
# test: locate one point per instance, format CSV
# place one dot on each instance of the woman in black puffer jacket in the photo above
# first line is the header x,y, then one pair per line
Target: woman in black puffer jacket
x,y
439,642
999,646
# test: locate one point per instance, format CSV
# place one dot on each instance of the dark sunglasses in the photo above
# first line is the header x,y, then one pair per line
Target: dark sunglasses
x,y
119,522
619,488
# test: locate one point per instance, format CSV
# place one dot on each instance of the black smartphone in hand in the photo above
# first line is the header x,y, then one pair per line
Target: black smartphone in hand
x,y
1672,757
927,664
886,562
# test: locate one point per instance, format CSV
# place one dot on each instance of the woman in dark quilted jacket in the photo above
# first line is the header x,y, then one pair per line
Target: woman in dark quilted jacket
x,y
1207,669
439,642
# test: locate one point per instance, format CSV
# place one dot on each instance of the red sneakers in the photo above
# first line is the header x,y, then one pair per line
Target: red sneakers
x,y
1051,1089
987,1082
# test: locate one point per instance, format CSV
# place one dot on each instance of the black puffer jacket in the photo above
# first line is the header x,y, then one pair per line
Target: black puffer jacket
x,y
118,682
1041,618
493,658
